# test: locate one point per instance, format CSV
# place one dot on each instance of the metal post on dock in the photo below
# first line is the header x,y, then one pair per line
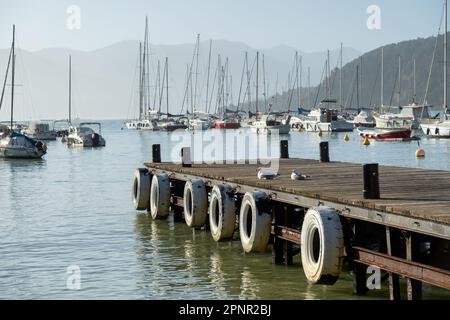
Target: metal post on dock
x,y
156,153
324,152
186,157
371,181
284,149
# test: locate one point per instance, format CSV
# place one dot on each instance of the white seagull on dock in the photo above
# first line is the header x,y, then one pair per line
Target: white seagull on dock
x,y
297,175
267,173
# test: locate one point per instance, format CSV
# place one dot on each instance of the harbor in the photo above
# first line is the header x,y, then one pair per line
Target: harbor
x,y
144,163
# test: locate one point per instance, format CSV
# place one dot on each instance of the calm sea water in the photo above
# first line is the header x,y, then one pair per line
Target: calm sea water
x,y
73,210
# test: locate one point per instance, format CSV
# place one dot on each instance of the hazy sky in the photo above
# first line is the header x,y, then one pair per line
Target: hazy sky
x,y
309,25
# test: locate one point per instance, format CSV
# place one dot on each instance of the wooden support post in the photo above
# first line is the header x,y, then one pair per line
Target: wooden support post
x,y
156,153
413,287
324,152
394,283
186,157
287,245
277,247
284,149
359,278
177,214
371,181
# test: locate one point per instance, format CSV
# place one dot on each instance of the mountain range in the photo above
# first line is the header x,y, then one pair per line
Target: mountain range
x,y
105,81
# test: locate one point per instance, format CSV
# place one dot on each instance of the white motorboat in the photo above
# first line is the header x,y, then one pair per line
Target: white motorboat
x,y
364,119
436,129
409,117
40,131
84,136
269,124
325,120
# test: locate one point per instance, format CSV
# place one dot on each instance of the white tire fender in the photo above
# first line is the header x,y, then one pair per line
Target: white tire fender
x,y
140,191
195,202
222,212
254,222
160,196
322,245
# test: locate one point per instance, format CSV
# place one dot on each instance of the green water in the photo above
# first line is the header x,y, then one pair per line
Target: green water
x,y
73,208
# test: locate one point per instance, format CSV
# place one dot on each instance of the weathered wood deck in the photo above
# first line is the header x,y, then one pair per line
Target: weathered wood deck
x,y
414,199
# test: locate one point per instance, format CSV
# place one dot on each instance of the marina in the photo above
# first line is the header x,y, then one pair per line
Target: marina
x,y
149,163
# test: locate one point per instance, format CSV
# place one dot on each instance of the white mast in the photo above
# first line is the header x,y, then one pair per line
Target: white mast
x,y
209,70
196,73
13,70
445,58
340,80
382,77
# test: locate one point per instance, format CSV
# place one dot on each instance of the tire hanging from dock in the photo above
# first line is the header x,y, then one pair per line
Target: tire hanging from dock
x,y
195,202
254,222
222,212
141,189
160,196
322,245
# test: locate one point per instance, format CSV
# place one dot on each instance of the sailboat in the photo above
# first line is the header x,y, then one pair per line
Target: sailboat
x,y
440,129
12,143
169,122
147,116
82,135
268,123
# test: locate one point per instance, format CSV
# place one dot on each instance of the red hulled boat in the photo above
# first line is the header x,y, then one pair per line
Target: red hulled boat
x,y
401,134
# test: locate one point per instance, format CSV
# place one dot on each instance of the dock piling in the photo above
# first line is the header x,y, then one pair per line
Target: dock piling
x,y
371,181
186,157
324,152
156,153
284,149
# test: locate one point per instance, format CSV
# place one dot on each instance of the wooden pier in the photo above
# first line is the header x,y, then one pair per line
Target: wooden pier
x,y
396,219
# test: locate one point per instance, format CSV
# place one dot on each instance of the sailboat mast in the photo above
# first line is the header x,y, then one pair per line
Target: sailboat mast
x,y
257,79
340,79
196,71
207,80
360,77
382,77
414,76
248,82
140,82
309,86
264,82
167,85
297,78
399,79
445,57
357,87
70,89
144,65
13,70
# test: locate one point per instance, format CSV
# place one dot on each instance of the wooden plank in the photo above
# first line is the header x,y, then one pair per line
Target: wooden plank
x,y
342,183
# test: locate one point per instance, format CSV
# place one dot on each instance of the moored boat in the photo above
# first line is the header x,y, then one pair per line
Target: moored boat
x,y
400,134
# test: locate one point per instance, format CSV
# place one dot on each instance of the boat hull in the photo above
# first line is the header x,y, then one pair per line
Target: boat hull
x,y
436,130
227,125
387,135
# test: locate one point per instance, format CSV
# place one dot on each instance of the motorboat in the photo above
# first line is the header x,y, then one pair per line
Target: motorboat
x,y
40,131
84,136
268,124
325,120
364,119
408,117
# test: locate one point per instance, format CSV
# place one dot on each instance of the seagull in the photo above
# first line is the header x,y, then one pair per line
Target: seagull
x,y
267,174
297,175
